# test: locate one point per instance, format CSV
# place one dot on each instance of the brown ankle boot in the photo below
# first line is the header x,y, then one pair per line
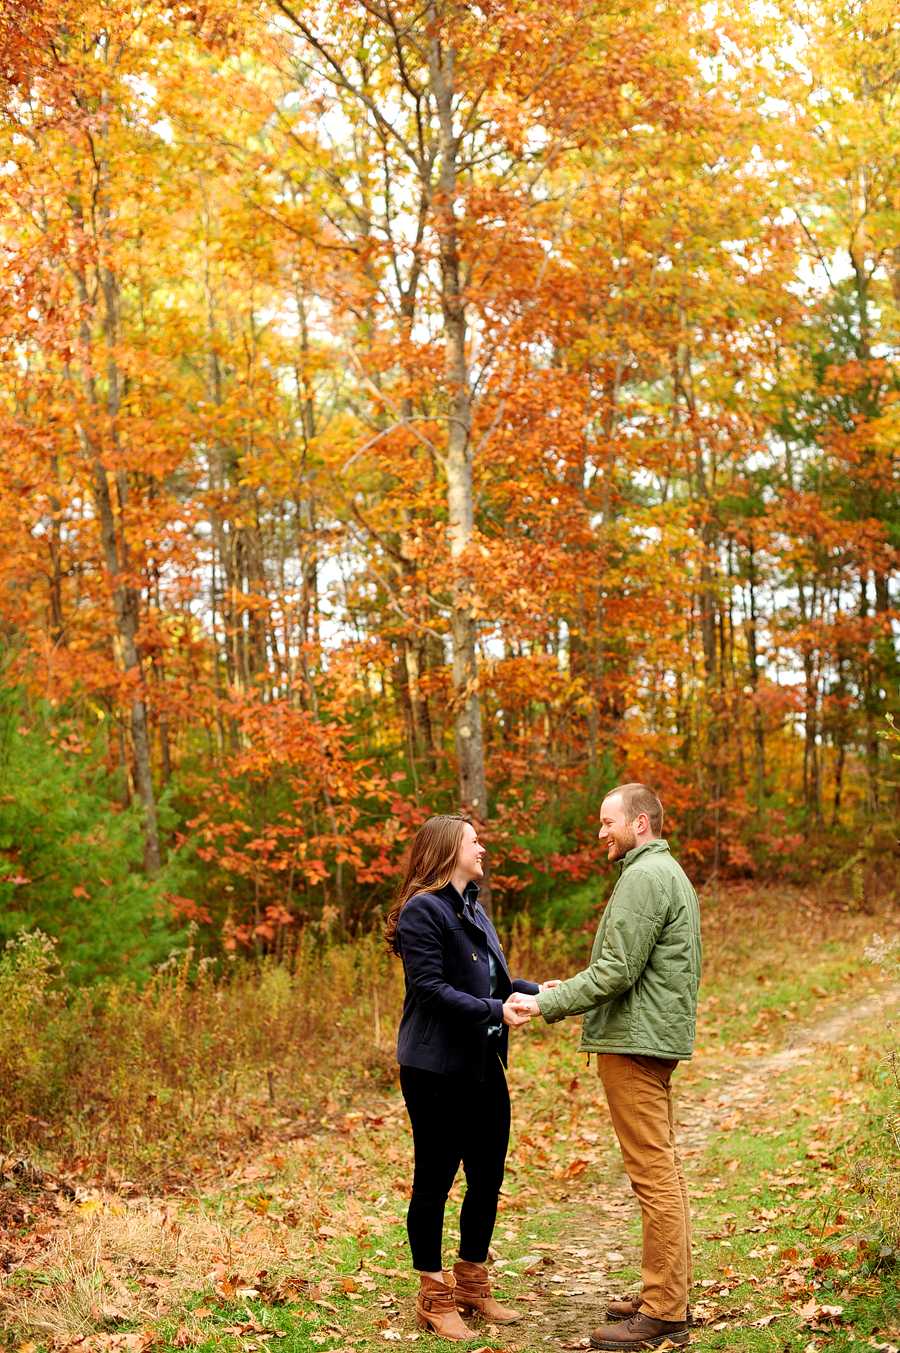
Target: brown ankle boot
x,y
626,1307
473,1294
436,1308
641,1331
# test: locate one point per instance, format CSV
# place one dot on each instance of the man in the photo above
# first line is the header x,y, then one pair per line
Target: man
x,y
639,1001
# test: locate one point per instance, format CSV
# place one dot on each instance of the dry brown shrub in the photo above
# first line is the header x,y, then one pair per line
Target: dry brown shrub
x,y
194,1062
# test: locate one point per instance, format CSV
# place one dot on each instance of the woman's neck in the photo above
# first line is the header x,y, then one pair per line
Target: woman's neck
x,y
460,882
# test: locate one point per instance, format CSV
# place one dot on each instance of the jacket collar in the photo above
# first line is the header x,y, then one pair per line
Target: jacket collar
x,y
466,906
658,847
466,902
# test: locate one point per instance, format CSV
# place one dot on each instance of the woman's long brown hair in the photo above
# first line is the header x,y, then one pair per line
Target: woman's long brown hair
x,y
430,862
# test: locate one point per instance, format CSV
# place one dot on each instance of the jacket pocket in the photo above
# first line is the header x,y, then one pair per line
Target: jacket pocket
x,y
429,1030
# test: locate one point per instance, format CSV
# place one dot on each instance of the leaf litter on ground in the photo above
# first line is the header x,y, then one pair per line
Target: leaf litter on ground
x,y
346,1188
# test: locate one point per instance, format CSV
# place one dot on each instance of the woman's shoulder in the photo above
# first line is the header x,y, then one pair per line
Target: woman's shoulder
x,y
425,901
424,904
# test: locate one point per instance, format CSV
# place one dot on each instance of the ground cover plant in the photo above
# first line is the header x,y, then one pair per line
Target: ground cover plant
x,y
291,1233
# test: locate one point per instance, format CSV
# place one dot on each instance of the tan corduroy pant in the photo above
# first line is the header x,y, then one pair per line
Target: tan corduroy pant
x,y
639,1094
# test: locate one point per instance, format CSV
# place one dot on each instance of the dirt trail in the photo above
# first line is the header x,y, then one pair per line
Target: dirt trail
x,y
751,1081
596,1228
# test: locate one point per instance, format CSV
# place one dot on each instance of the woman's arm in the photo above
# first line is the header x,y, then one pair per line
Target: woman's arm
x,y
422,939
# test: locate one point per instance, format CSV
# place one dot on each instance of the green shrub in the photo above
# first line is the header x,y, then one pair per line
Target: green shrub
x,y
70,859
27,969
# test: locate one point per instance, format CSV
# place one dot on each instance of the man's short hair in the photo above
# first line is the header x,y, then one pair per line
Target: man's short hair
x,y
637,799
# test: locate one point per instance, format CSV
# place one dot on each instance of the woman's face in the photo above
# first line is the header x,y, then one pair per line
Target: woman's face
x,y
468,861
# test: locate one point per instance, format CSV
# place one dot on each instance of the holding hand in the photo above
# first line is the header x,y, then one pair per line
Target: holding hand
x,y
514,1014
522,1003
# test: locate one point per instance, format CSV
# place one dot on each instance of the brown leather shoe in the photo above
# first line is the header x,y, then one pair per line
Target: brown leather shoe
x,y
473,1294
436,1308
623,1309
641,1331
629,1306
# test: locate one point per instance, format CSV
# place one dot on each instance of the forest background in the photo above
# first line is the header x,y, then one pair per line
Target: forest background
x,y
418,406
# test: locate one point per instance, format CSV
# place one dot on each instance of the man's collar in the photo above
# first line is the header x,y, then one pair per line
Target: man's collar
x,y
659,845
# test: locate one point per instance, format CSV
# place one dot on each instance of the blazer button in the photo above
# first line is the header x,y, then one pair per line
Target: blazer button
x,y
475,957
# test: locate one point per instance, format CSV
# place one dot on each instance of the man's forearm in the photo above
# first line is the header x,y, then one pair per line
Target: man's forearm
x,y
596,985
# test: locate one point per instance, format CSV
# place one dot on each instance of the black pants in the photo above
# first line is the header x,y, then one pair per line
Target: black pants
x,y
456,1119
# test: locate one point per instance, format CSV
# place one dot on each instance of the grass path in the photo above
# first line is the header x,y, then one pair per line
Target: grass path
x,y
298,1242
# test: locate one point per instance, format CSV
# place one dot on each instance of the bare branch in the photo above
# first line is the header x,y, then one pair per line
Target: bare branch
x,y
395,605
491,430
395,408
343,81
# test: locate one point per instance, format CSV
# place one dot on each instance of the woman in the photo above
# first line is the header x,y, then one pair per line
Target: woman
x,y
452,1049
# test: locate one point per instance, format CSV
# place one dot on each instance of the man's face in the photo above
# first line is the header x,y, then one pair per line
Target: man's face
x,y
615,833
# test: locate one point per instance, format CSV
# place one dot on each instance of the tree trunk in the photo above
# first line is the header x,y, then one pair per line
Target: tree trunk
x,y
126,599
812,753
467,727
421,716
759,739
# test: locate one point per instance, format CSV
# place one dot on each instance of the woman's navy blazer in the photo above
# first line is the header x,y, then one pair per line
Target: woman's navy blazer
x,y
444,941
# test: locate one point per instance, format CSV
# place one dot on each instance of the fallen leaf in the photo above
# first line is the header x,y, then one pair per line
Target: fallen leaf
x,y
293,1288
113,1312
766,1320
184,1338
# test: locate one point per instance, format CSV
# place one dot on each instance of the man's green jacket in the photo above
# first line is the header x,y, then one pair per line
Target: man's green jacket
x,y
639,995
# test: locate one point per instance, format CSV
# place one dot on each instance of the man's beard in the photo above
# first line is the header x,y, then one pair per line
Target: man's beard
x,y
624,842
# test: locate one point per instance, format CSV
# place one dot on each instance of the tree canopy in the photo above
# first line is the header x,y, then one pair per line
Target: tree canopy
x,y
411,406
